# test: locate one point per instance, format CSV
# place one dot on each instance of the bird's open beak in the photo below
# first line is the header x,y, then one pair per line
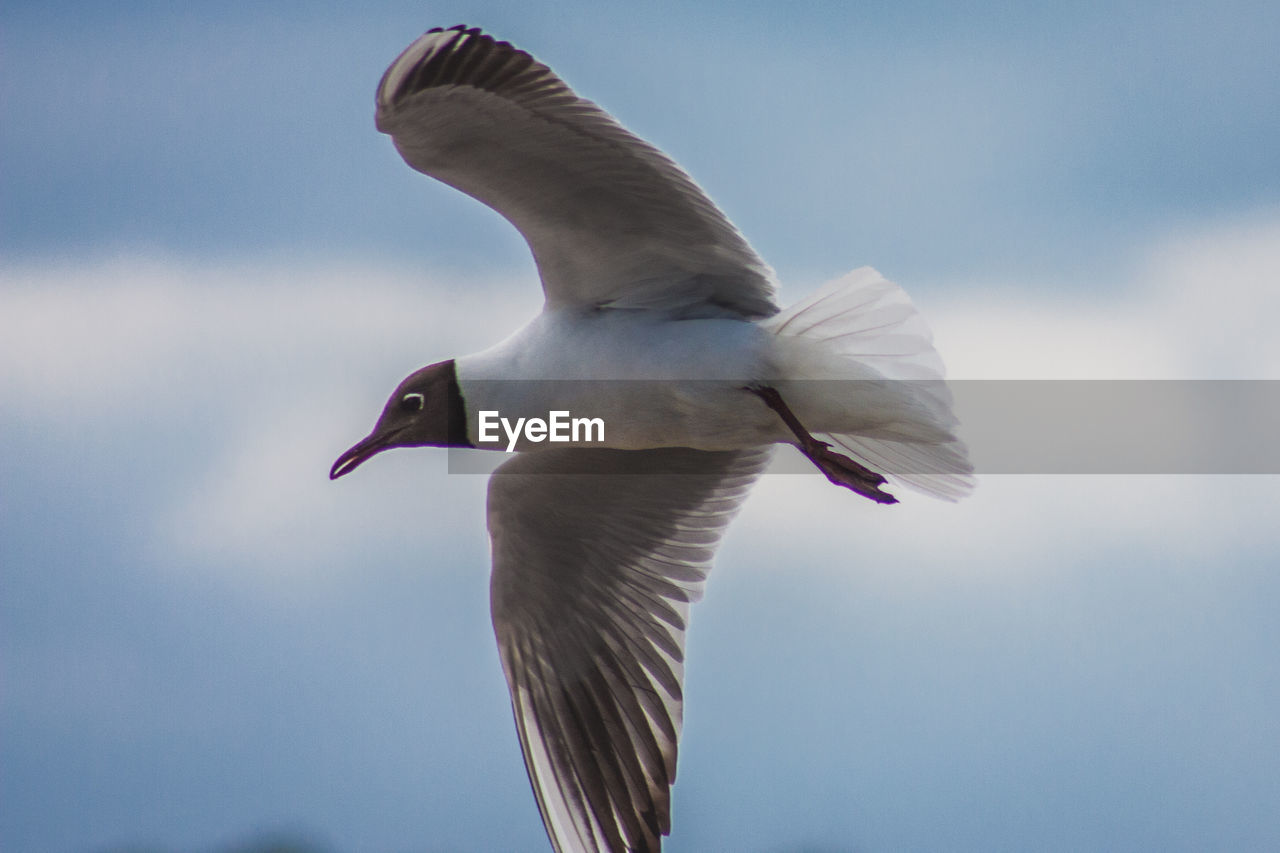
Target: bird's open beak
x,y
368,447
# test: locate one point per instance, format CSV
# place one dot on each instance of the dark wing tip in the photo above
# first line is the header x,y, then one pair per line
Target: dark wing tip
x,y
463,56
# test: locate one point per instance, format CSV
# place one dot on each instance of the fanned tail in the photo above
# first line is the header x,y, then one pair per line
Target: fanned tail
x,y
882,397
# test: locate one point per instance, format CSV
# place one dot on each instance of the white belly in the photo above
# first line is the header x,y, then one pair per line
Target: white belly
x,y
653,382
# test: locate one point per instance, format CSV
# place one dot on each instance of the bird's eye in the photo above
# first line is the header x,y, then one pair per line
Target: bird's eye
x,y
412,402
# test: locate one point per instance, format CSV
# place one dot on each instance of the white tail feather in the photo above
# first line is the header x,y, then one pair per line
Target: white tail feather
x,y
863,327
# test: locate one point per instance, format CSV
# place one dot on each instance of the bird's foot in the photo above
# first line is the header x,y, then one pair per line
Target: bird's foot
x,y
843,471
840,469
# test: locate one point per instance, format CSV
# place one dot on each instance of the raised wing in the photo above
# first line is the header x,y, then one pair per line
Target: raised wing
x,y
610,219
597,555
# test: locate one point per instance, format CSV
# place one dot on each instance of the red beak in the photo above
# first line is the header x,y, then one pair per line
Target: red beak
x,y
367,448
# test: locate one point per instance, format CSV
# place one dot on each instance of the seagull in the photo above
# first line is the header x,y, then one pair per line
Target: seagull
x,y
661,326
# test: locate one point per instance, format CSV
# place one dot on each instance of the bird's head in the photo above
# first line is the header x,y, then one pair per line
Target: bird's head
x,y
426,410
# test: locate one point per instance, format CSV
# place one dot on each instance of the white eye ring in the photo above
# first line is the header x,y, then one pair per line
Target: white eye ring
x,y
412,402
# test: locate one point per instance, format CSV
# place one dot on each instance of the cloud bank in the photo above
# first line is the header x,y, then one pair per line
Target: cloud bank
x,y
267,371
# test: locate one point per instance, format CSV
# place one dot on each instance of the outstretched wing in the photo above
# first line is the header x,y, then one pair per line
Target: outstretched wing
x,y
597,555
610,218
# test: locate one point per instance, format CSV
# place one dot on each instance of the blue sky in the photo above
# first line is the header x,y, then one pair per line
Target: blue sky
x,y
213,269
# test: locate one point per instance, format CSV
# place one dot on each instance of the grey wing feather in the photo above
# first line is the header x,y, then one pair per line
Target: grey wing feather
x,y
610,219
597,555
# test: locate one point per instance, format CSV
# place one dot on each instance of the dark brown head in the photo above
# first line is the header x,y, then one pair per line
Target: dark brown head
x,y
426,410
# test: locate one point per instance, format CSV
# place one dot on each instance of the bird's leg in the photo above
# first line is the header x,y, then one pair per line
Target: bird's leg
x,y
840,469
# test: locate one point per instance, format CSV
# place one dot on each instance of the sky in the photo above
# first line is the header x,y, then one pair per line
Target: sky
x,y
213,269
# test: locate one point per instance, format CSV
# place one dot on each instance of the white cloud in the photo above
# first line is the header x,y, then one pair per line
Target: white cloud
x,y
286,366
262,373
1191,306
1013,525
128,333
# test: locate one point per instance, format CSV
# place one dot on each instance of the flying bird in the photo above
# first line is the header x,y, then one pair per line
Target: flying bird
x,y
661,323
